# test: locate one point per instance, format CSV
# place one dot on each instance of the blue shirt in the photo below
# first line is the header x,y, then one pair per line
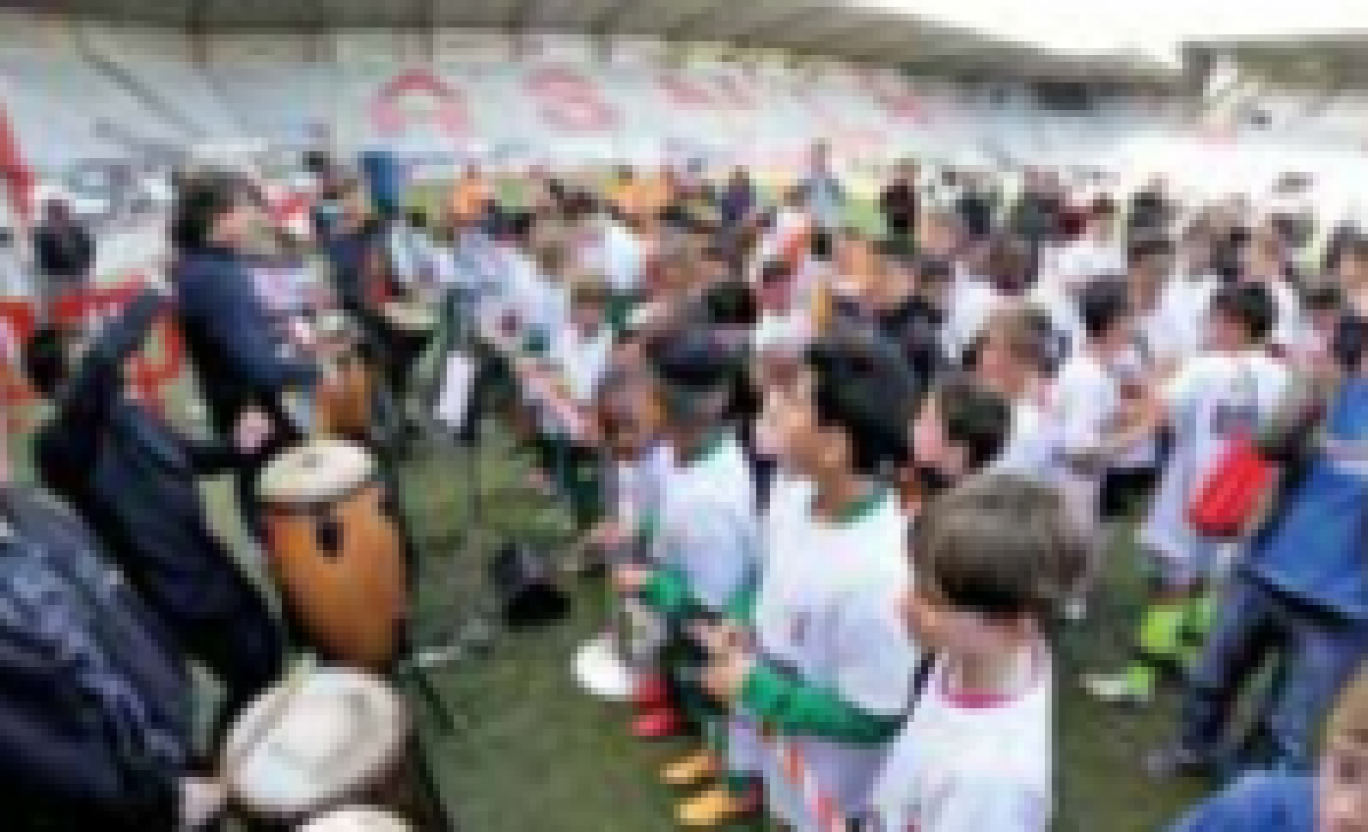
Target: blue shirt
x,y
1258,803
1315,549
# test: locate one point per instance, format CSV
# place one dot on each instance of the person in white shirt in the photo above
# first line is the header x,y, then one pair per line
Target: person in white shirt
x,y
1089,412
1011,357
705,549
1097,253
828,673
1214,398
991,561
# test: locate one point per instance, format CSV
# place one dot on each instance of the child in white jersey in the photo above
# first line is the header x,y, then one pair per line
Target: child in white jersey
x,y
1213,398
991,562
828,675
1090,415
1010,358
705,548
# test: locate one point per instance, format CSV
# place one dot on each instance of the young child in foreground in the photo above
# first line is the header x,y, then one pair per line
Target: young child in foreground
x,y
1334,800
993,562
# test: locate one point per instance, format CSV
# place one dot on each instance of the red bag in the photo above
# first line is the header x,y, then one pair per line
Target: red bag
x,y
1234,492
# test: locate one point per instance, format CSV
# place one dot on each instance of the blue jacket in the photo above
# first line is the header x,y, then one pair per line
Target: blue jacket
x,y
95,703
229,337
1315,548
1258,803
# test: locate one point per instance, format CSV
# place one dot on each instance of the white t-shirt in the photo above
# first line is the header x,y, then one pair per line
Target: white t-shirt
x,y
708,528
1212,399
972,301
791,330
1185,304
581,359
1030,447
827,611
1087,259
639,488
621,257
966,767
1086,404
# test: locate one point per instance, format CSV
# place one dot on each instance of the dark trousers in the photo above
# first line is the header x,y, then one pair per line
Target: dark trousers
x,y
1318,648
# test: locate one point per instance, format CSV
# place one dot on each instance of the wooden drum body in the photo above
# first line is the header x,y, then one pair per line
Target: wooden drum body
x,y
321,740
336,552
343,399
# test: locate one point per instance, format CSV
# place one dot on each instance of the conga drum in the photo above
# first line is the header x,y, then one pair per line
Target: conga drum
x,y
336,551
343,399
358,819
323,739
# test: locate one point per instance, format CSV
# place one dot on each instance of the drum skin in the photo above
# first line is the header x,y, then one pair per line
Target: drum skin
x,y
340,566
343,401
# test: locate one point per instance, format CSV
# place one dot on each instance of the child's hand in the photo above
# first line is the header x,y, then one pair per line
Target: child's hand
x,y
724,679
631,579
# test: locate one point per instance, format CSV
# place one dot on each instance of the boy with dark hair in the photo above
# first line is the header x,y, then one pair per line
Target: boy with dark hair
x,y
1215,398
962,426
992,561
827,669
705,548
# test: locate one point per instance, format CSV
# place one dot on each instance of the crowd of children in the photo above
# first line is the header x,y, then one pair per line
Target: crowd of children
x,y
863,485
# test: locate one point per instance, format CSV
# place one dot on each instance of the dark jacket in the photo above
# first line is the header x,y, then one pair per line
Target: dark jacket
x,y
133,478
228,335
64,250
95,705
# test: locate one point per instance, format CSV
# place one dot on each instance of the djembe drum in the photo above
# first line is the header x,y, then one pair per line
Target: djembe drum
x,y
336,551
322,739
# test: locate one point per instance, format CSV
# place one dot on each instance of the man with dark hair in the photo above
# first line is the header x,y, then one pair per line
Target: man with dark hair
x,y
227,331
899,204
133,478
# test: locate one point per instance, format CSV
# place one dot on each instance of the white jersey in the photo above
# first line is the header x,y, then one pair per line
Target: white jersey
x,y
1087,405
1085,260
581,360
708,527
1212,399
827,611
972,301
961,766
1287,329
1184,306
638,489
1030,448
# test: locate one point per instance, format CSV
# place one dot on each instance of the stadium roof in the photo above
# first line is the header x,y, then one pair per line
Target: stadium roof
x,y
1319,61
837,28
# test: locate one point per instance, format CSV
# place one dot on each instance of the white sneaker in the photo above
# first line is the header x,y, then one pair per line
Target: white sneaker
x,y
1116,689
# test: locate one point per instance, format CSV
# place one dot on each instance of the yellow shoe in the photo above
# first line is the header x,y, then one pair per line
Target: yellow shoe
x,y
691,770
715,807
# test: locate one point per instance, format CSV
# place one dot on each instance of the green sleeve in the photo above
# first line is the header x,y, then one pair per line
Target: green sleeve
x,y
797,708
669,593
742,607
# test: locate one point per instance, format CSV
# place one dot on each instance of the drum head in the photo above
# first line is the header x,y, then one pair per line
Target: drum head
x,y
600,670
410,316
357,819
320,471
314,742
